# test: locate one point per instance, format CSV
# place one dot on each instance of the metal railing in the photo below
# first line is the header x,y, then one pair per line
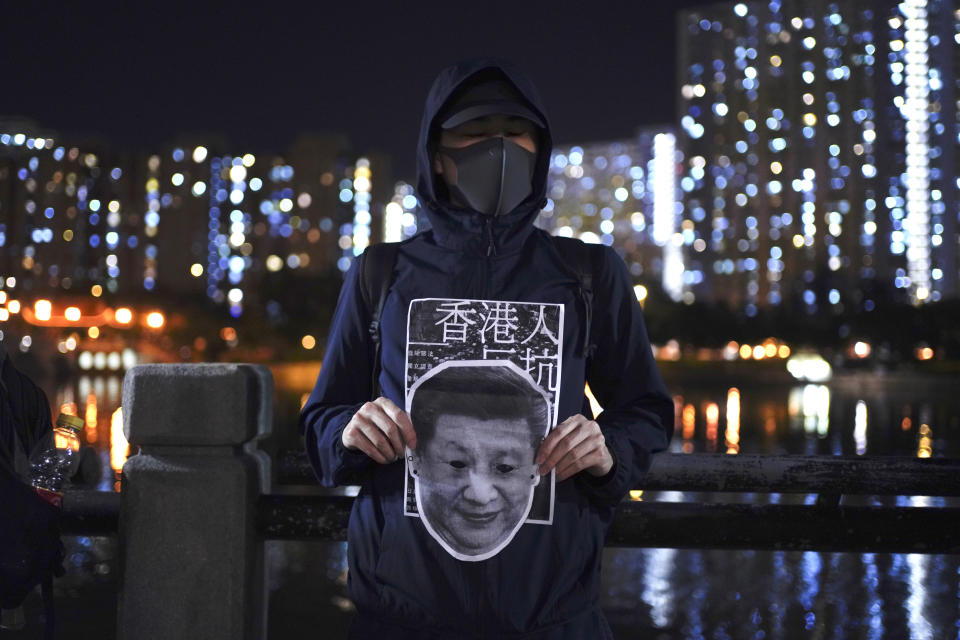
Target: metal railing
x,y
200,499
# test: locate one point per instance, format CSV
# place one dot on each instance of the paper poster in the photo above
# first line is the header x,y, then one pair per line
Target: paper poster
x,y
482,384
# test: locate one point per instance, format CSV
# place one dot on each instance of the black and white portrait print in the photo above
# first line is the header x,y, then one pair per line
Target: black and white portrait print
x,y
482,384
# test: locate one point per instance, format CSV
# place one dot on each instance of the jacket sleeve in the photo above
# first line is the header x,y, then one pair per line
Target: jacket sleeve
x,y
342,387
637,417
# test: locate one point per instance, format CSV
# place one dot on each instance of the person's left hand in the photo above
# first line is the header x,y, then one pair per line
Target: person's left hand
x,y
574,446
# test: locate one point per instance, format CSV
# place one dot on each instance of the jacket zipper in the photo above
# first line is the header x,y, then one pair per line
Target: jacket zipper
x,y
491,251
491,247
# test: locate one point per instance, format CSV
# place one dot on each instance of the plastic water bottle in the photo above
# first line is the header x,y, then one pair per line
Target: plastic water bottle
x,y
49,468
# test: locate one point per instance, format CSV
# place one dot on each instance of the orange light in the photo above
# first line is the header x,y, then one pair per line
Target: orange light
x,y
783,351
72,314
906,424
123,315
745,351
689,421
155,319
42,310
732,434
119,447
712,413
69,408
770,350
61,442
13,306
90,428
3,297
770,425
594,403
93,332
924,353
758,352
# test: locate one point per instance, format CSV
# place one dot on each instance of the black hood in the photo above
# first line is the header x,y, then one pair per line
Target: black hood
x,y
465,229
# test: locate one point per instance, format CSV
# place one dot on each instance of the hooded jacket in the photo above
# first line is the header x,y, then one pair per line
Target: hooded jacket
x,y
547,579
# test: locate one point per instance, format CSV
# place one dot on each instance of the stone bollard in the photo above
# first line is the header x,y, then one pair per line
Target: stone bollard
x,y
191,560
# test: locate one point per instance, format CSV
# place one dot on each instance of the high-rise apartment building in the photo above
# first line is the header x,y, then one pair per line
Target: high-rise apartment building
x,y
192,219
621,194
818,142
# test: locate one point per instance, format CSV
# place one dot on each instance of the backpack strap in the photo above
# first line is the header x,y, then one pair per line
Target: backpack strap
x,y
579,259
376,276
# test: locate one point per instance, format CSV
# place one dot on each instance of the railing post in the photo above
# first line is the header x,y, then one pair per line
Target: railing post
x,y
191,560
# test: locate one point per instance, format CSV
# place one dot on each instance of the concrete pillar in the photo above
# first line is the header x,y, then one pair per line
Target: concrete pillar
x,y
191,560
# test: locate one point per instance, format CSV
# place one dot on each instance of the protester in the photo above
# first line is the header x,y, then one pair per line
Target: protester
x,y
483,157
30,548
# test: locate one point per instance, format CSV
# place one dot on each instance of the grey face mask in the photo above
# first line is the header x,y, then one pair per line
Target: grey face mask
x,y
493,176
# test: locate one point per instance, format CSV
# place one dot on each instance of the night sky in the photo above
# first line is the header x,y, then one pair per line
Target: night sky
x,y
137,76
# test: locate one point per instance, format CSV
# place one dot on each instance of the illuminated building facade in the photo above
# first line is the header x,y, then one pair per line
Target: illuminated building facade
x,y
622,194
67,219
819,144
400,215
192,220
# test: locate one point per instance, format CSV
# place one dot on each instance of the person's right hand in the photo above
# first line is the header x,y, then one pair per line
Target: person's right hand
x,y
380,429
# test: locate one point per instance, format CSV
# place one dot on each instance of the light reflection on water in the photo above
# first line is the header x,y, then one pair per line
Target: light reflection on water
x,y
688,593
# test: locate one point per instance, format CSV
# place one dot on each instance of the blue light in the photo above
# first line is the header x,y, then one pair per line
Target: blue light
x,y
343,263
112,239
113,272
809,297
236,264
94,218
151,251
346,195
151,219
116,173
94,240
132,242
236,310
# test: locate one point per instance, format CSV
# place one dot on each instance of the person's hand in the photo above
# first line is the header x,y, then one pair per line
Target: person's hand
x,y
380,429
575,445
